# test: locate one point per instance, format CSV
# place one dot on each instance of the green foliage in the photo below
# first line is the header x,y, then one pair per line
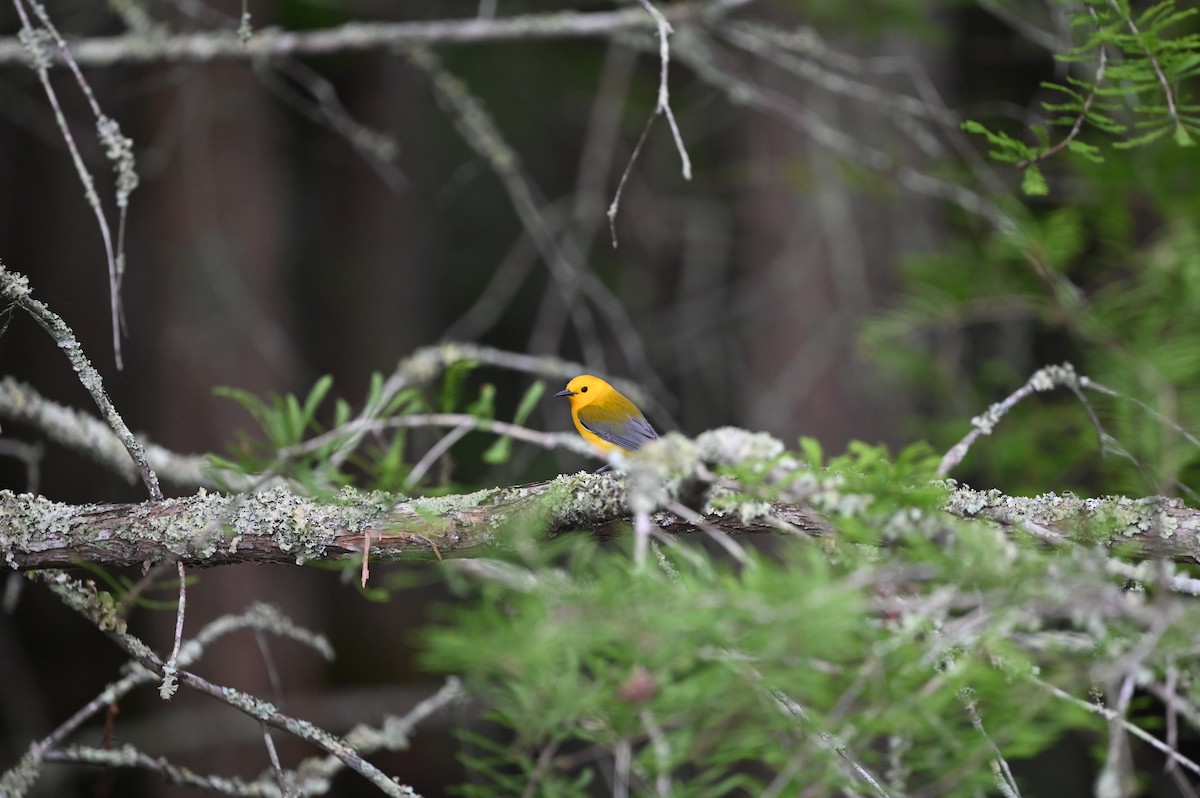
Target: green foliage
x,y
501,450
769,677
1108,280
1139,92
321,449
285,423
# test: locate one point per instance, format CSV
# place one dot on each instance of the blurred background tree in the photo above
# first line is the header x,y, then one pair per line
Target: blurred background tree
x,y
846,261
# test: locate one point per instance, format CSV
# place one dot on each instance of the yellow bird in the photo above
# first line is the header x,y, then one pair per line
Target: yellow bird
x,y
604,417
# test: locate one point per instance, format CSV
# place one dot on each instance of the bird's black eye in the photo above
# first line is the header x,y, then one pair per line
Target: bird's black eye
x,y
583,389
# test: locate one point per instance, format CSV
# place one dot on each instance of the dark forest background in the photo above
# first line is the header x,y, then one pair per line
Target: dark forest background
x,y
788,287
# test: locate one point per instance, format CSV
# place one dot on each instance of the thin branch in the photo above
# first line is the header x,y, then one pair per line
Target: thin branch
x,y
544,760
168,683
1043,379
1050,377
788,705
599,148
566,263
664,30
719,537
615,205
15,288
273,755
362,36
1115,717
1000,769
1163,83
117,147
546,440
695,51
92,438
479,131
641,540
622,760
319,102
258,617
83,600
437,450
127,756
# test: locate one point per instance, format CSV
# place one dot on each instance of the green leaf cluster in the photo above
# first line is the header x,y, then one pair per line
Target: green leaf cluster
x,y
1140,91
321,448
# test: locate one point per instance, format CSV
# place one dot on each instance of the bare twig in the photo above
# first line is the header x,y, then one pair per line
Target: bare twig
x,y
615,205
1043,379
393,734
80,598
481,134
695,51
600,142
273,755
168,683
362,36
118,147
792,708
566,263
730,545
91,437
1000,769
1050,377
258,617
546,440
129,757
664,30
1115,717
435,452
544,760
641,532
319,102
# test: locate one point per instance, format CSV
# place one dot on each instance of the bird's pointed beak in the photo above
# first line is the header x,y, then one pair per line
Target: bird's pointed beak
x,y
565,392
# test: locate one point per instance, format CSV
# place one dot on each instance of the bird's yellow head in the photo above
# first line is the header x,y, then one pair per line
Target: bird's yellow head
x,y
585,389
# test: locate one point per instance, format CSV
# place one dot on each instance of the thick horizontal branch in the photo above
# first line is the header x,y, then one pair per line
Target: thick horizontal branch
x,y
359,36
1145,528
278,526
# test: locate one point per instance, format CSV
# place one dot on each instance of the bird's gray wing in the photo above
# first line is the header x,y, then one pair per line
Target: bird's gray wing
x,y
629,434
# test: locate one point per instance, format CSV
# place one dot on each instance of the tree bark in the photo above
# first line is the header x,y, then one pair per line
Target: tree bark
x,y
278,526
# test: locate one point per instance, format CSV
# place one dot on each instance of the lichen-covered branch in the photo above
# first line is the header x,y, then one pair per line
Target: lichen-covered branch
x,y
279,526
85,600
1149,527
15,288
